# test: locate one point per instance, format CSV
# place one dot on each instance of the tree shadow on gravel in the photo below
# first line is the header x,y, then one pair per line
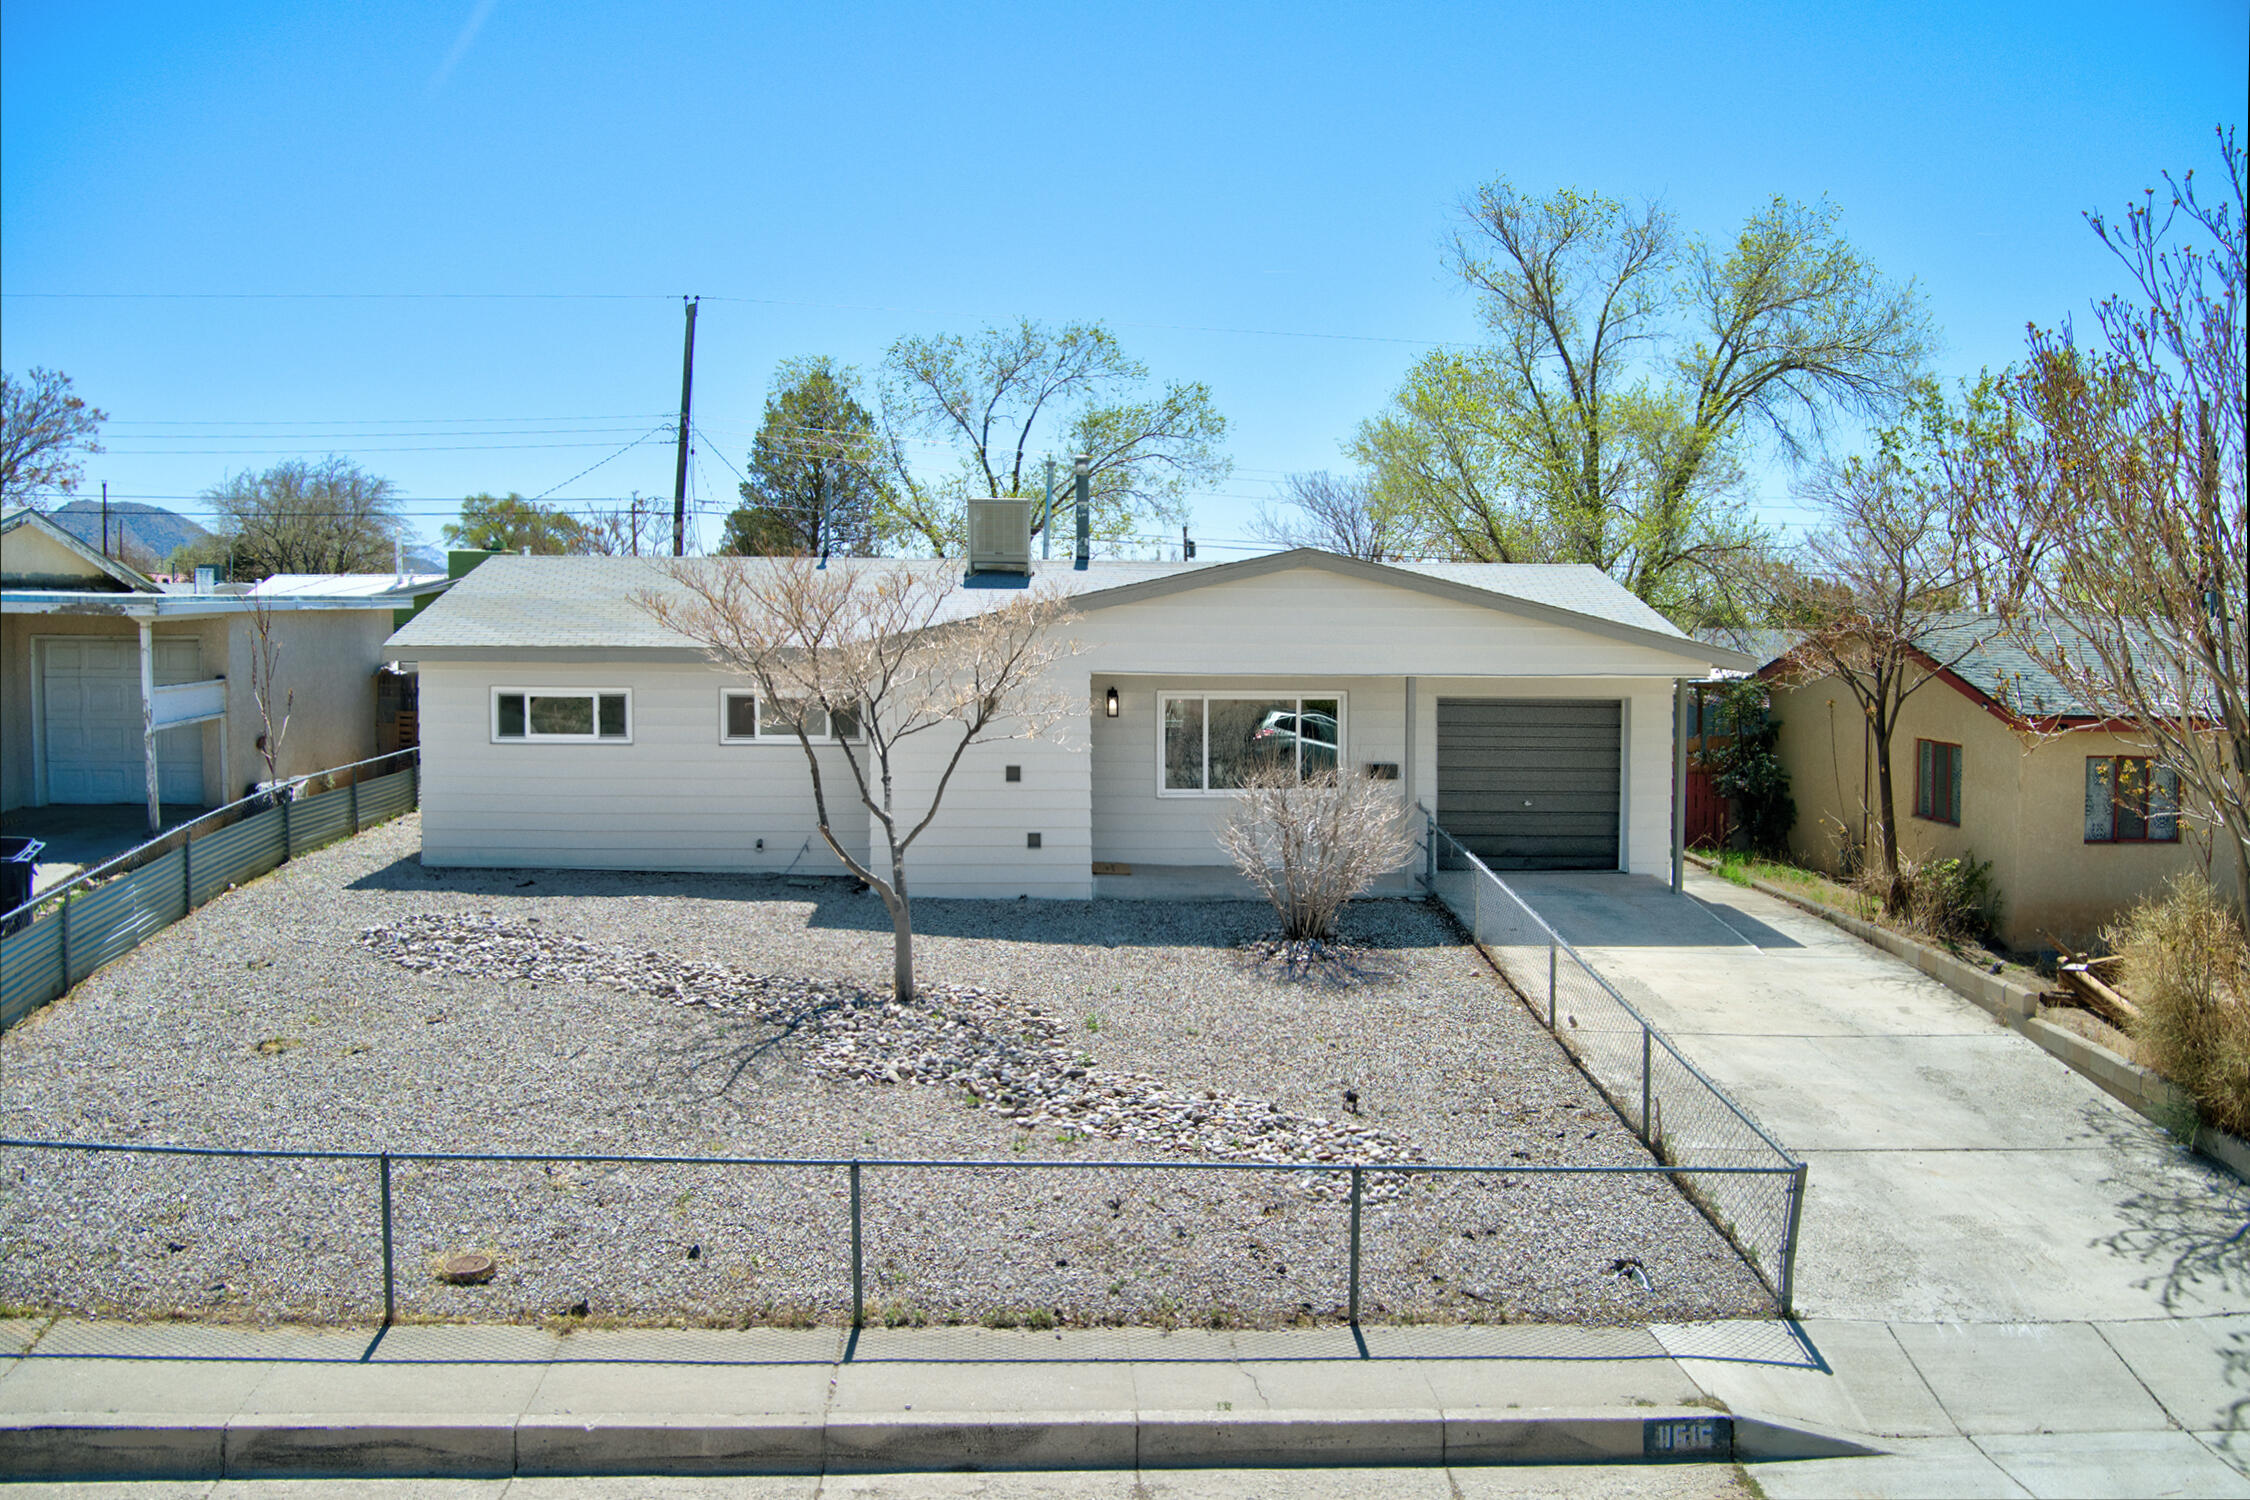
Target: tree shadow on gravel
x,y
843,905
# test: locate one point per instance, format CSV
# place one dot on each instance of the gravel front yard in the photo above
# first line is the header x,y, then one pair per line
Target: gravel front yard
x,y
353,1000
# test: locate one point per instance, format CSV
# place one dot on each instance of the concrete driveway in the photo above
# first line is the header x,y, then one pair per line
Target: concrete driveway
x,y
2006,1270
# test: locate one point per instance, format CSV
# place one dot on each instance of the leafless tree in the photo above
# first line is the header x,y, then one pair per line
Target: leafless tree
x,y
265,668
1876,588
1337,513
45,433
889,651
2111,489
1309,845
629,530
329,516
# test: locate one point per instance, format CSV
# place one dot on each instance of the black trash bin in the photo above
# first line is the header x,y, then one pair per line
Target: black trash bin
x,y
19,859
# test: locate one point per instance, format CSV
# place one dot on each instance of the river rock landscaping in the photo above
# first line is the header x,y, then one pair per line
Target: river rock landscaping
x,y
355,1001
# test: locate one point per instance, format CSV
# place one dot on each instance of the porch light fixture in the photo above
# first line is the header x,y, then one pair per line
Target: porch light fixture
x,y
1110,706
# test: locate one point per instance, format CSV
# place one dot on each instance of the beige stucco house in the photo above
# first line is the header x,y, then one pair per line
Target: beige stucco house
x,y
1530,707
104,672
1993,759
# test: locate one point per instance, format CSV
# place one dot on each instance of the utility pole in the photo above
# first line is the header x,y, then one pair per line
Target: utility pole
x,y
1047,527
105,518
679,473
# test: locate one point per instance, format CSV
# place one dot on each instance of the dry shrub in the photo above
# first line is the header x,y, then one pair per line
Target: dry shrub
x,y
1952,900
1310,846
2187,965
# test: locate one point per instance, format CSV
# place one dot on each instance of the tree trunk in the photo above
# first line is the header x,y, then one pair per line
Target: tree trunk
x,y
902,934
1896,896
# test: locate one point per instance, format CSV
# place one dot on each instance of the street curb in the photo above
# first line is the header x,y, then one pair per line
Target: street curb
x,y
61,1448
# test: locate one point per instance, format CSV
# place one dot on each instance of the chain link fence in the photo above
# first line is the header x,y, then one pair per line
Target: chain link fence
x,y
1680,1114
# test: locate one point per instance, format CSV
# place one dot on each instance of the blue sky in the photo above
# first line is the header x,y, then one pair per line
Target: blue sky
x,y
1253,196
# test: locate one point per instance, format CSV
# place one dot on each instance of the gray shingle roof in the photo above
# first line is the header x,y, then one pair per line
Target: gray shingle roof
x,y
589,602
1988,654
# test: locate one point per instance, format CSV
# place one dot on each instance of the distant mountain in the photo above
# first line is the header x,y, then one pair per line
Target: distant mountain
x,y
424,560
137,533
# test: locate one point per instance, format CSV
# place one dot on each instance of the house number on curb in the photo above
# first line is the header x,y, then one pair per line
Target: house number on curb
x,y
1688,1437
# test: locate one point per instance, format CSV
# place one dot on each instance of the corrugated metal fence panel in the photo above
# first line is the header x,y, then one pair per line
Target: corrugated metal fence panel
x,y
112,919
319,819
241,851
30,969
386,797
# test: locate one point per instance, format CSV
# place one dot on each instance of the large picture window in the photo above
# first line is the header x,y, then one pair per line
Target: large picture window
x,y
564,715
747,719
2131,800
1214,742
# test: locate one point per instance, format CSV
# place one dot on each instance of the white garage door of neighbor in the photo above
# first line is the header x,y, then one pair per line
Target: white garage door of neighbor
x,y
91,708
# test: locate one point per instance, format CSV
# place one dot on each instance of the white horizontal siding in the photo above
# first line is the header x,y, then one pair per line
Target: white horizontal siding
x,y
976,846
1308,621
673,799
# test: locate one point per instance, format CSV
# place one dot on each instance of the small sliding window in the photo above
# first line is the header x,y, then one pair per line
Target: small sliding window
x,y
565,716
747,719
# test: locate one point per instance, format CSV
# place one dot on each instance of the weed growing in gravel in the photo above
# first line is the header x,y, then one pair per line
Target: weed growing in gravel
x,y
1093,1021
900,1313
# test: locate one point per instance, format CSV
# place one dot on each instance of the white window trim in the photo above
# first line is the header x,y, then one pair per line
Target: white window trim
x,y
763,738
1296,695
530,737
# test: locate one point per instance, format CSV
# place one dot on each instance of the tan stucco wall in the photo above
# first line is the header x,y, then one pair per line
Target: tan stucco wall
x,y
328,658
2022,807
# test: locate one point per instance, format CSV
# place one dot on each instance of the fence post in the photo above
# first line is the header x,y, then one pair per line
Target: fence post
x,y
390,1302
1429,850
187,873
1356,1172
1648,1137
62,942
858,1306
285,841
415,766
352,793
1789,1242
1551,957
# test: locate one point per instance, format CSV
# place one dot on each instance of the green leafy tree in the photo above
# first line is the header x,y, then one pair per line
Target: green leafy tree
x,y
1630,373
1008,399
510,523
329,516
818,472
45,433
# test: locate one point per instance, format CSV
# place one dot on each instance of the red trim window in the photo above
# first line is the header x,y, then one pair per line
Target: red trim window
x,y
2131,800
1937,781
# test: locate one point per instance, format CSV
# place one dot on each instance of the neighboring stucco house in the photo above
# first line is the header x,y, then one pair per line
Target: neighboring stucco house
x,y
81,634
1530,705
1994,759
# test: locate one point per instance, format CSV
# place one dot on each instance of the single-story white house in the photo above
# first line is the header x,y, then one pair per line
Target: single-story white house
x,y
1530,706
117,689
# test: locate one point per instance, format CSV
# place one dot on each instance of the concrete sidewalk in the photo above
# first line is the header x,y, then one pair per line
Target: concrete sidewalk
x,y
2075,1409
85,1399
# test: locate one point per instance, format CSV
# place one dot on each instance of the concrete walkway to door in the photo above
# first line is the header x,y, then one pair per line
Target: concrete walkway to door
x,y
1993,1248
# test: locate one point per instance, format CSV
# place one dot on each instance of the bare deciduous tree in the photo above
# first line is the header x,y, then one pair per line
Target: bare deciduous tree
x,y
886,653
2111,490
1877,586
1309,845
45,432
1338,513
265,668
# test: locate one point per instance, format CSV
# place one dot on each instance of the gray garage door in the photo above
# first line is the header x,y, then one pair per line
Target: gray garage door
x,y
1531,783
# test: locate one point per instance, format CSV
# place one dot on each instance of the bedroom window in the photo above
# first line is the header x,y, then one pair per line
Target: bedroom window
x,y
563,715
2131,800
1937,781
746,719
1212,743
